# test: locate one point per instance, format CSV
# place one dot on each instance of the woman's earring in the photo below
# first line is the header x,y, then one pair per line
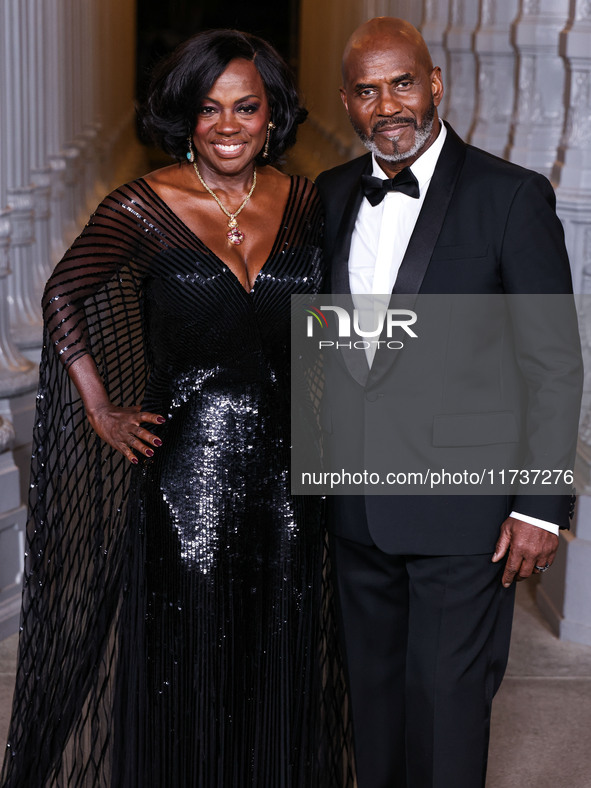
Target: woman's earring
x,y
191,151
270,127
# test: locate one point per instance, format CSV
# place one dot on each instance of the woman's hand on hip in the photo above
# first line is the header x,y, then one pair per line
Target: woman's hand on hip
x,y
122,429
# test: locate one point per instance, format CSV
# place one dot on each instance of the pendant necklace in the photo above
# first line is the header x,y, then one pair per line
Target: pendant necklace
x,y
234,235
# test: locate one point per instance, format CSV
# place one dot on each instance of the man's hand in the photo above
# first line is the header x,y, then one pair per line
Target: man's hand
x,y
528,546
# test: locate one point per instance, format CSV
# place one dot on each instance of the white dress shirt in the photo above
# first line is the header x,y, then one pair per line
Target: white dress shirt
x,y
378,245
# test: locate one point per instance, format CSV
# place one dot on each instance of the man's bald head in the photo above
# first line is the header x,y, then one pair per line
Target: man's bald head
x,y
391,91
385,32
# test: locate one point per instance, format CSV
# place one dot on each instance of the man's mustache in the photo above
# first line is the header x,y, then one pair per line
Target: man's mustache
x,y
389,124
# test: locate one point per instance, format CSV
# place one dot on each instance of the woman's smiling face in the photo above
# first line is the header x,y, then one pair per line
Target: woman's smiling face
x,y
232,120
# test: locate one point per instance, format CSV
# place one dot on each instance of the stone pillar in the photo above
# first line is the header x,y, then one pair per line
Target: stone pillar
x,y
17,373
40,169
461,77
12,522
435,22
54,128
564,595
496,76
18,377
90,128
573,166
81,153
23,284
57,57
539,108
73,189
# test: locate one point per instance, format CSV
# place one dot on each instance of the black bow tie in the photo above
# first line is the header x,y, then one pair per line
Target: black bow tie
x,y
375,189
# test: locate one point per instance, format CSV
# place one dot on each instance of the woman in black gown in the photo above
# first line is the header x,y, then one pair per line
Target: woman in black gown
x,y
177,624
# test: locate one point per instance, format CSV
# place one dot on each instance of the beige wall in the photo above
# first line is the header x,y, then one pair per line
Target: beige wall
x,y
326,139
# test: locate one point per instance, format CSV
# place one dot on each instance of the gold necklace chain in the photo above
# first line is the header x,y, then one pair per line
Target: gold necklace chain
x,y
234,235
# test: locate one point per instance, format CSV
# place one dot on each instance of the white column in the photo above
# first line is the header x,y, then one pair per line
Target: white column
x,y
461,79
539,109
563,594
90,130
435,23
56,58
23,284
17,373
573,165
496,75
574,173
17,376
74,194
40,169
54,127
12,520
15,369
81,130
564,597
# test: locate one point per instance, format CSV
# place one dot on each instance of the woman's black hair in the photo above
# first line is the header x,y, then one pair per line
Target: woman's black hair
x,y
181,82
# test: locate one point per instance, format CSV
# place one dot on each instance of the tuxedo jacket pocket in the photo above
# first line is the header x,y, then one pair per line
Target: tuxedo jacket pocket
x,y
459,252
474,429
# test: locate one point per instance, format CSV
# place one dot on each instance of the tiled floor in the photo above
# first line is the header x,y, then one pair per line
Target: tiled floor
x,y
541,730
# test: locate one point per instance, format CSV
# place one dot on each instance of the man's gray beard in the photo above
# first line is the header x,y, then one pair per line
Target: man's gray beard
x,y
422,134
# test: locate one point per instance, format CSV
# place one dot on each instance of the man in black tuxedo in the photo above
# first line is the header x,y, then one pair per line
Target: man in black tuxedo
x,y
425,584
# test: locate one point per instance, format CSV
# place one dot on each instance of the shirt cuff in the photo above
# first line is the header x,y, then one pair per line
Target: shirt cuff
x,y
554,529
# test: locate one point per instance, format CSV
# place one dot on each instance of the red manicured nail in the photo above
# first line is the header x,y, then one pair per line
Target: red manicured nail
x,y
160,420
157,442
134,460
149,453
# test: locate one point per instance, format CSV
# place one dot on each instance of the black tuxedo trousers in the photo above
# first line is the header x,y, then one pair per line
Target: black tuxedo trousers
x,y
426,640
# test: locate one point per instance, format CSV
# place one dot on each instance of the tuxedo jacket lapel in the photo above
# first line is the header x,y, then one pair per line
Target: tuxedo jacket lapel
x,y
432,215
355,360
424,237
342,246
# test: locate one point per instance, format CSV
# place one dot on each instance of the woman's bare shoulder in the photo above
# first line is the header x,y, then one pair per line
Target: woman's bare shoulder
x,y
173,183
173,176
169,175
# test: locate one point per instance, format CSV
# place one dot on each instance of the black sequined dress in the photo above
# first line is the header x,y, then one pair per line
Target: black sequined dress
x,y
177,626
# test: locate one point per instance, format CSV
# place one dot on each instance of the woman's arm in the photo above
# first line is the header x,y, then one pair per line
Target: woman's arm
x,y
119,235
